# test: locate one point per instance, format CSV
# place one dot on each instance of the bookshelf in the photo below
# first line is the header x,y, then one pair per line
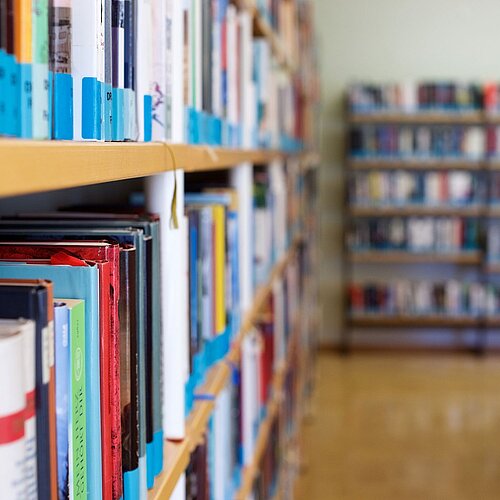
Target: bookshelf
x,y
477,261
197,140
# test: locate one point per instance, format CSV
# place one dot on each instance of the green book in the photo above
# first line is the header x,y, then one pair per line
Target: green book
x,y
77,411
40,69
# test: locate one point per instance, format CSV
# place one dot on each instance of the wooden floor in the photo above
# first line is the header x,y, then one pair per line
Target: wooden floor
x,y
403,427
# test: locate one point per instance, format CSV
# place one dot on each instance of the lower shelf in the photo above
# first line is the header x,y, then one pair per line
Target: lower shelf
x,y
408,257
443,321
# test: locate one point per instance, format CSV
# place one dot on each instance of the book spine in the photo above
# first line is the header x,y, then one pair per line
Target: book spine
x,y
3,67
85,59
52,391
107,133
118,68
24,55
62,363
101,67
12,415
129,391
78,398
61,88
40,49
129,102
143,66
220,264
29,333
161,29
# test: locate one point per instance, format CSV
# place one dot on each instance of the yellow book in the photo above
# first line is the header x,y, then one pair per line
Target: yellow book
x,y
218,214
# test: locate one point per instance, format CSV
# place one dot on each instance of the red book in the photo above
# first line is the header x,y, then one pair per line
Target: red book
x,y
106,257
490,97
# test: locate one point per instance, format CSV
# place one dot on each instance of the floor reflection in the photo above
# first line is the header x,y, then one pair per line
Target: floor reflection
x,y
404,427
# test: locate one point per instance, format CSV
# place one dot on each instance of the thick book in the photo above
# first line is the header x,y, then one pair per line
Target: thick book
x,y
106,257
12,410
77,419
28,299
79,282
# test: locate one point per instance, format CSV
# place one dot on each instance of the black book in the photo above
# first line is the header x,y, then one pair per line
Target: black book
x,y
30,301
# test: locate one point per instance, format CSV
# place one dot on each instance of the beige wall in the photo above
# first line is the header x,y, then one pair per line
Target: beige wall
x,y
388,40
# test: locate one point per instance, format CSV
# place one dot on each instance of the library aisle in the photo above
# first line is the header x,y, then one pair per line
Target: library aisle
x,y
412,426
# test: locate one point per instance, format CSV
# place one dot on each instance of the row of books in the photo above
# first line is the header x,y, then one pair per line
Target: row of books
x,y
415,234
109,258
153,70
400,187
414,298
419,142
216,465
411,97
107,377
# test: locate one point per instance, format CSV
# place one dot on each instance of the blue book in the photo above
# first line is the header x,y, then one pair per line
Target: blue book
x,y
79,283
3,92
61,341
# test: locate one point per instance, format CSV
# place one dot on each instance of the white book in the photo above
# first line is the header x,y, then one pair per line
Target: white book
x,y
177,103
475,143
249,394
198,54
174,299
408,97
143,67
247,90
101,64
423,141
160,66
28,331
278,186
85,68
278,323
12,407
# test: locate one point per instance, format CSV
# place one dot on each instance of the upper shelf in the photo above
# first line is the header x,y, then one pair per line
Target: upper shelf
x,y
37,166
428,118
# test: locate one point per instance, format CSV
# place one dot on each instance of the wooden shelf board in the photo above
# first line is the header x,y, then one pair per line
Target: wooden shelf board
x,y
443,321
414,164
175,460
471,118
197,421
37,166
379,211
402,257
